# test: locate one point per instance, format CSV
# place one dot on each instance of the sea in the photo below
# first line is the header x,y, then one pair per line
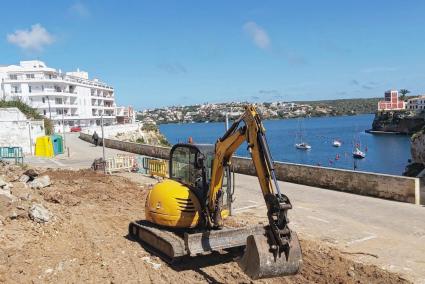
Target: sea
x,y
386,154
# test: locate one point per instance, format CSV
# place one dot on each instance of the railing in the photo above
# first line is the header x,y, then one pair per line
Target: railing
x,y
158,168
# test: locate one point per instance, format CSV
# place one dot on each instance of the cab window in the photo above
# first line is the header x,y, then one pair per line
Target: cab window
x,y
183,165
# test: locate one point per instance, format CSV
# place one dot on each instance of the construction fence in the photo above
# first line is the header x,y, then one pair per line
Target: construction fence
x,y
133,163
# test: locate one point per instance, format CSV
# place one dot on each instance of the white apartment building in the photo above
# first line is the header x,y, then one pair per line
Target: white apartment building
x,y
69,97
417,104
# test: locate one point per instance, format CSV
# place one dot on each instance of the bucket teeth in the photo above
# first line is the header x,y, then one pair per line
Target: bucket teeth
x,y
259,261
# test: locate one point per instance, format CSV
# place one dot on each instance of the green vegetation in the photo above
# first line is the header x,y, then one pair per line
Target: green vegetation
x,y
29,112
347,106
140,140
149,127
163,141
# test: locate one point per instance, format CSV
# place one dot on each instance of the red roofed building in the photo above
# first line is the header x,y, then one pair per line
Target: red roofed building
x,y
391,101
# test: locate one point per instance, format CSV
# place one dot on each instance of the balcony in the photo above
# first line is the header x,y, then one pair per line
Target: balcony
x,y
52,93
60,78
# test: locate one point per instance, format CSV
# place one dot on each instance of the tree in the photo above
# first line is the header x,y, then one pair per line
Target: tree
x,y
403,93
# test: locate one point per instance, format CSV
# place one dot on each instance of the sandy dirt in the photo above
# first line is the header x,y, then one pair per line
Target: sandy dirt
x,y
86,241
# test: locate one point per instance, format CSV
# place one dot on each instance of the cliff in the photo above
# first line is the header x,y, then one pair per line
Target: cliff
x,y
405,122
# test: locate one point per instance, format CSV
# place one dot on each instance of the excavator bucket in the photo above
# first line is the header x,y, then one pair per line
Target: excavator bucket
x,y
259,261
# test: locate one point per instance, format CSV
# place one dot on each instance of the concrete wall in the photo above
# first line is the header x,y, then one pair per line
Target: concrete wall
x,y
397,188
112,130
17,134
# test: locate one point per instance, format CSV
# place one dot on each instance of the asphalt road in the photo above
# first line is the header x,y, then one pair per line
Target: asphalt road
x,y
386,233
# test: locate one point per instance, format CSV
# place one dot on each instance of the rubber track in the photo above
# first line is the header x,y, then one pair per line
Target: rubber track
x,y
166,244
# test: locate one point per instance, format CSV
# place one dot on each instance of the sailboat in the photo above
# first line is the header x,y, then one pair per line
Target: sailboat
x,y
302,145
358,154
336,143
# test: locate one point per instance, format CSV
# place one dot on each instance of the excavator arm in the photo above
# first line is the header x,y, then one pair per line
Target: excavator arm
x,y
278,251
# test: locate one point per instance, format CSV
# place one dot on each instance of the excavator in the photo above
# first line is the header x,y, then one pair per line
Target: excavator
x,y
184,214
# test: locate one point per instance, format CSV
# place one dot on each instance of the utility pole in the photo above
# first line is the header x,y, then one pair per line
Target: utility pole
x,y
103,144
63,128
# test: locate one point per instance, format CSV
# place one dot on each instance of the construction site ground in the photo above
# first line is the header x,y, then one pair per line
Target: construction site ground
x,y
86,240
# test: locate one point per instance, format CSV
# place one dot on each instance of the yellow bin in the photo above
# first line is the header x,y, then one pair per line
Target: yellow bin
x,y
44,147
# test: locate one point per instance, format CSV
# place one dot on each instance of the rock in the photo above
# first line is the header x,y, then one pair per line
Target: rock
x,y
31,173
2,182
351,273
39,214
40,182
13,215
5,191
21,191
24,178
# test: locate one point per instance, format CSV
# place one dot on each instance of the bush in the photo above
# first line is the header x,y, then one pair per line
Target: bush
x,y
140,140
149,127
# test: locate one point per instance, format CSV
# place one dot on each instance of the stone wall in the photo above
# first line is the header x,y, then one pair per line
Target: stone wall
x,y
137,148
397,188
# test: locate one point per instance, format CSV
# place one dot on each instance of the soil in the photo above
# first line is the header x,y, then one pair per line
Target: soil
x,y
86,241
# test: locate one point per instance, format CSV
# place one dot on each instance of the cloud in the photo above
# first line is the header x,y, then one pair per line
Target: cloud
x,y
33,39
172,68
379,69
354,82
80,10
257,34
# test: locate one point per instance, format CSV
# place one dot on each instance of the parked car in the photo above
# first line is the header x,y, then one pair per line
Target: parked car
x,y
76,129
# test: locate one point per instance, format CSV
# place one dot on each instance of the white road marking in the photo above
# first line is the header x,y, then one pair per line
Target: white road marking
x,y
362,239
318,219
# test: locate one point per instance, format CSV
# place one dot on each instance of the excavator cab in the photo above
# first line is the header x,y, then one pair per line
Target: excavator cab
x,y
191,165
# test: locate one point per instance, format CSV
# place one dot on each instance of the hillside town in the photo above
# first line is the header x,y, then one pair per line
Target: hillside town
x,y
213,112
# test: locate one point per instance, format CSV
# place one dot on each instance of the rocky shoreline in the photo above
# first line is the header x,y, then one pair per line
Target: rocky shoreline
x,y
397,122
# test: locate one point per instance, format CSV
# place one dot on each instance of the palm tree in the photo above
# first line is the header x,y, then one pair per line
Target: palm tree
x,y
403,93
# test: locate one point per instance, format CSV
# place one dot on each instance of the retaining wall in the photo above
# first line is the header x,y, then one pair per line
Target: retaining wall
x,y
391,187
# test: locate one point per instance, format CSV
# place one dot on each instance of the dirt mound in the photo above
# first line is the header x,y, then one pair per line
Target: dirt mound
x,y
86,241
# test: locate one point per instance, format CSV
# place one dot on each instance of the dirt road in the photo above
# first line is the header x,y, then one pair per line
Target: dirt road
x,y
86,241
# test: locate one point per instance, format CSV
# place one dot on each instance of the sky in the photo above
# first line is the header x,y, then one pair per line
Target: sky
x,y
162,53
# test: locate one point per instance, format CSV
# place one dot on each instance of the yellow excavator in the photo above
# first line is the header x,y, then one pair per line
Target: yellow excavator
x,y
184,214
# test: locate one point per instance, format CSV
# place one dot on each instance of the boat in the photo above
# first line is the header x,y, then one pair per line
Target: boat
x,y
336,143
301,145
358,154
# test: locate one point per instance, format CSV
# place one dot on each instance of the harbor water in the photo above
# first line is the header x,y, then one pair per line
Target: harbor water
x,y
384,153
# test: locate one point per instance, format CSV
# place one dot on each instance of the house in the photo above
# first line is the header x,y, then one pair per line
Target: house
x,y
391,102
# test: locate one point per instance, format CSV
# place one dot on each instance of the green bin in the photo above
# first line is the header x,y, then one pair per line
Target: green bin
x,y
57,141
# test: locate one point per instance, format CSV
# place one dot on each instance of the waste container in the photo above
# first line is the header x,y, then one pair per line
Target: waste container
x,y
44,147
57,141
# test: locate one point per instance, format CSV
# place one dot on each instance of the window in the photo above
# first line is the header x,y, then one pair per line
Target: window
x,y
13,77
59,111
44,111
42,88
30,76
58,101
16,89
30,89
183,165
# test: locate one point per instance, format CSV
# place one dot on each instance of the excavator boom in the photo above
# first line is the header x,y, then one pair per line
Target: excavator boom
x,y
276,251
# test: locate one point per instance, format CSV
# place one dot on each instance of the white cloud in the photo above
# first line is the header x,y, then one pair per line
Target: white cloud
x,y
33,39
257,34
80,10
